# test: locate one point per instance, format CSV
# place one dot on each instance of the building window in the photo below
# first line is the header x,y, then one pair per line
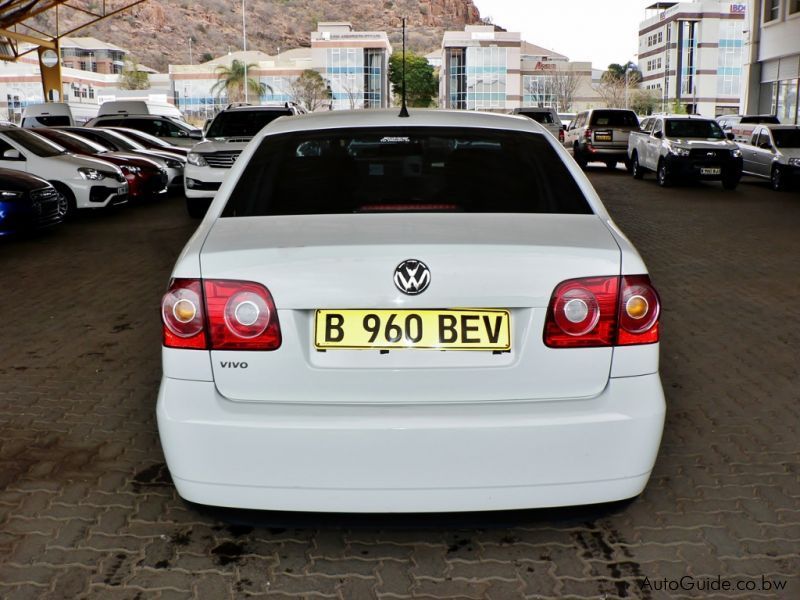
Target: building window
x,y
730,57
457,78
279,88
373,81
660,36
786,104
772,10
794,6
91,92
486,77
356,77
82,65
538,90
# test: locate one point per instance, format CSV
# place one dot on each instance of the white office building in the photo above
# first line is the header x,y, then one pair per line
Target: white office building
x,y
773,60
691,53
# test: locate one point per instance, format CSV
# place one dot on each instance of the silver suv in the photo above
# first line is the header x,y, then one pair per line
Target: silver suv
x,y
601,134
226,136
546,117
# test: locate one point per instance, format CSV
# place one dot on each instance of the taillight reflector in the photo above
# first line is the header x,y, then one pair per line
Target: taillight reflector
x,y
182,315
603,311
241,316
219,315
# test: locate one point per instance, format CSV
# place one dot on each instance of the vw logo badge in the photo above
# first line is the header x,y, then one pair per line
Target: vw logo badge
x,y
412,277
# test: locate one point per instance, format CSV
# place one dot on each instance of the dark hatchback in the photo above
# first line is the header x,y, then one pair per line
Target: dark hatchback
x,y
28,203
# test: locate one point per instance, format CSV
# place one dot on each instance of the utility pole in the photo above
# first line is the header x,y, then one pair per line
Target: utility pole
x,y
190,50
244,45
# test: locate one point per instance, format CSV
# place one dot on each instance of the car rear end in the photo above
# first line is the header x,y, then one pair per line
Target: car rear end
x,y
405,315
606,136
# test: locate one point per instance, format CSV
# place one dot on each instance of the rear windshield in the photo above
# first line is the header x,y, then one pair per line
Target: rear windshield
x,y
614,118
243,123
539,117
786,138
405,170
694,128
769,119
50,121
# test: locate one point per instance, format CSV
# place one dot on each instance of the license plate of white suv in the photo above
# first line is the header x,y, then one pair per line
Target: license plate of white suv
x,y
710,171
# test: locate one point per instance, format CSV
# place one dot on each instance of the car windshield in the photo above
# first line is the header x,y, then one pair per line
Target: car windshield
x,y
72,142
539,117
243,123
45,121
786,138
405,170
34,143
142,137
769,119
694,128
614,118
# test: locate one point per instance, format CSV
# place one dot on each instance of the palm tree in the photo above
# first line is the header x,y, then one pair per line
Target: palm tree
x,y
230,82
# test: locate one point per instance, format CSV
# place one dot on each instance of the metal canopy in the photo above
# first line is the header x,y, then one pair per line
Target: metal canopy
x,y
43,22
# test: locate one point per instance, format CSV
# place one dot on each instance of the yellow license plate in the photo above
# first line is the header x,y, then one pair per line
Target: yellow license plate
x,y
451,329
605,137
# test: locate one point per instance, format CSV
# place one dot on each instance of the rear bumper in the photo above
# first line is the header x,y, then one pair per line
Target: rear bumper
x,y
410,458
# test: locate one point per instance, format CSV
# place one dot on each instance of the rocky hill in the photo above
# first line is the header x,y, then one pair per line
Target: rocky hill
x,y
157,32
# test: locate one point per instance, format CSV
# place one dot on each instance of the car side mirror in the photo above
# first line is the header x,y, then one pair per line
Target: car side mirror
x,y
658,135
12,154
196,135
730,136
181,133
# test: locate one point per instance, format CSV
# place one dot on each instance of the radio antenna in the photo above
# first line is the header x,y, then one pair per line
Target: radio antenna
x,y
403,107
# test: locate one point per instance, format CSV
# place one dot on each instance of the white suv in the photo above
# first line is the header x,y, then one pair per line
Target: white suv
x,y
227,135
83,182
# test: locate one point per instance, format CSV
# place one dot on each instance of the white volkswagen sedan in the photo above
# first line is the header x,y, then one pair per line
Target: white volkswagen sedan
x,y
423,314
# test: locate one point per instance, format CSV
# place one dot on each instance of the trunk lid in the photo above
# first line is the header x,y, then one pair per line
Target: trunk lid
x,y
498,261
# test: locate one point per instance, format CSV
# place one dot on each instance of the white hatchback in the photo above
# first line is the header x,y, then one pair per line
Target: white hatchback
x,y
423,314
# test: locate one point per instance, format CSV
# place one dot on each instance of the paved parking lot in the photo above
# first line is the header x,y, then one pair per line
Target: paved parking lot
x,y
87,508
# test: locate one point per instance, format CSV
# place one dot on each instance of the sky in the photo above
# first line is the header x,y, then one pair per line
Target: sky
x,y
600,31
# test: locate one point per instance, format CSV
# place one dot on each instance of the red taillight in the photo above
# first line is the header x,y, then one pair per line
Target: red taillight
x,y
603,311
219,315
582,312
639,309
561,135
182,315
241,316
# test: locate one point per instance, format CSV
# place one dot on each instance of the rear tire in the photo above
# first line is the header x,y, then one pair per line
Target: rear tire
x,y
628,165
662,177
636,169
67,205
777,180
579,157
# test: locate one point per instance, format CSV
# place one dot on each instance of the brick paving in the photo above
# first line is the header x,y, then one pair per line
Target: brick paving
x,y
87,509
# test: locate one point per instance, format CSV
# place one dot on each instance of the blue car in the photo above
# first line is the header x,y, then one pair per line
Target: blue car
x,y
28,203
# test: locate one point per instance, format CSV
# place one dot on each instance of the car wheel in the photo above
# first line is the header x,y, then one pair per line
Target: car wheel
x,y
662,176
777,179
579,157
197,208
636,168
628,165
66,201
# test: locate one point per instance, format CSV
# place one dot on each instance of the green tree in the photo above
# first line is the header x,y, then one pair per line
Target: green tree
x,y
421,83
310,90
644,102
132,78
230,82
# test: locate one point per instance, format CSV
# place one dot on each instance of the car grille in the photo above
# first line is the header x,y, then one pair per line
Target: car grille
x,y
699,154
46,208
221,160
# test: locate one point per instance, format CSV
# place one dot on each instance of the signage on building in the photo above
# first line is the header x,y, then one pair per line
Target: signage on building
x,y
545,66
739,8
